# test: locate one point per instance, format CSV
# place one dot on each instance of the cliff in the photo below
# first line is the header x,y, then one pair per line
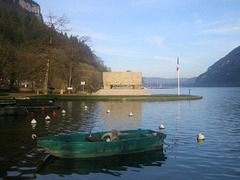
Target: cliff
x,y
225,72
31,7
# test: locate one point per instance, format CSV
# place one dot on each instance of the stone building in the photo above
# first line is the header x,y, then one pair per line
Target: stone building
x,y
122,80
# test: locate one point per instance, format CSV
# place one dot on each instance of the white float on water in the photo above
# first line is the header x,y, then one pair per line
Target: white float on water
x,y
47,118
33,121
63,111
130,114
108,111
200,137
85,107
34,136
161,127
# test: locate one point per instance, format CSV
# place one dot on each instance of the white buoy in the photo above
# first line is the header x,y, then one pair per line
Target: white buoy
x,y
130,114
34,121
47,121
85,107
200,137
34,126
108,111
63,111
34,136
108,140
47,118
161,127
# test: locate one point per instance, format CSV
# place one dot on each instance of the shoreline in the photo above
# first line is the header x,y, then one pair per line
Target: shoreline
x,y
121,98
153,97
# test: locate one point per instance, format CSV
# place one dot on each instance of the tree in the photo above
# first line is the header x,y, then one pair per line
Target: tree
x,y
43,53
56,25
4,55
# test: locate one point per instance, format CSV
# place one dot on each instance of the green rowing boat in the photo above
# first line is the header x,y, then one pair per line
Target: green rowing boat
x,y
102,143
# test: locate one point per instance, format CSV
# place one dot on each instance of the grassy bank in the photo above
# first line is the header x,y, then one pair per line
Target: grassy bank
x,y
92,97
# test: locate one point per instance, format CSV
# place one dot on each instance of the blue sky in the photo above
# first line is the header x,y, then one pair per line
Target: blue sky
x,y
147,35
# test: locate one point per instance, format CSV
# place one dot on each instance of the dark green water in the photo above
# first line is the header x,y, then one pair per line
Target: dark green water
x,y
217,116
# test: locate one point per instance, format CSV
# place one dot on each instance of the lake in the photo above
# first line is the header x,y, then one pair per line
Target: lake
x,y
216,116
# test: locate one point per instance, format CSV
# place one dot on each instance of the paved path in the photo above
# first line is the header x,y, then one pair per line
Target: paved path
x,y
101,92
119,92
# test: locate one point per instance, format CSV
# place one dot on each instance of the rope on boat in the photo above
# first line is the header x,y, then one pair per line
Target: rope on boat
x,y
175,141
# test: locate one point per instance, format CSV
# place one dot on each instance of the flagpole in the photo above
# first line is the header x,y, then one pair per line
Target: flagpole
x,y
178,77
178,84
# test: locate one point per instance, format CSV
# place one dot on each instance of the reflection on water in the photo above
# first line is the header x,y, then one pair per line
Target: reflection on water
x,y
108,165
119,114
216,116
80,116
93,116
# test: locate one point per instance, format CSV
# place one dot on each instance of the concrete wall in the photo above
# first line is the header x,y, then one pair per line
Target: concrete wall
x,y
123,80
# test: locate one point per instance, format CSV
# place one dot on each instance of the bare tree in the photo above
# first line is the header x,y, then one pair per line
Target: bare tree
x,y
56,24
85,39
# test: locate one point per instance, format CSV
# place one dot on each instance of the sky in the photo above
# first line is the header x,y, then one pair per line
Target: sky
x,y
148,35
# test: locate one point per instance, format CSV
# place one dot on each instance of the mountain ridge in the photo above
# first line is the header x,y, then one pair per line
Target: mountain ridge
x,y
224,72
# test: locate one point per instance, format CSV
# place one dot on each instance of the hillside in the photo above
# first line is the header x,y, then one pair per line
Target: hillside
x,y
40,55
225,72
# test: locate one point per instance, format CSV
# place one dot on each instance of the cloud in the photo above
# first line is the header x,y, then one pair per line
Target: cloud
x,y
97,35
217,27
201,24
133,54
162,58
116,51
156,40
221,30
102,36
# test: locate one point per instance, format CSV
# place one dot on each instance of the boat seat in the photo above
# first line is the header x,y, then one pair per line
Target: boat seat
x,y
115,135
93,138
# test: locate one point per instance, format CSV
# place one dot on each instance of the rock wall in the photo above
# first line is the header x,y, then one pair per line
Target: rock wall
x,y
30,6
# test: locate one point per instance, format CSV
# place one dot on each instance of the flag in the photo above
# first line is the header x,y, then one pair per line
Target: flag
x,y
177,64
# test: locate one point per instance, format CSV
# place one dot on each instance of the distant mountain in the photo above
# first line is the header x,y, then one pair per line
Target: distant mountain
x,y
156,82
189,82
225,72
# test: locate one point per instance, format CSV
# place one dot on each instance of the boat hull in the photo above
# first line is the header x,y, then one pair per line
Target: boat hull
x,y
77,146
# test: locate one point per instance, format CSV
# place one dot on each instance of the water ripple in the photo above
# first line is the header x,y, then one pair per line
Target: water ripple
x,y
216,116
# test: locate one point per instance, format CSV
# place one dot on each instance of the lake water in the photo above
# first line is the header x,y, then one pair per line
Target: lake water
x,y
216,116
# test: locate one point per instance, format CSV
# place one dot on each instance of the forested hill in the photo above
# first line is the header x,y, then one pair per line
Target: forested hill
x,y
43,54
225,72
